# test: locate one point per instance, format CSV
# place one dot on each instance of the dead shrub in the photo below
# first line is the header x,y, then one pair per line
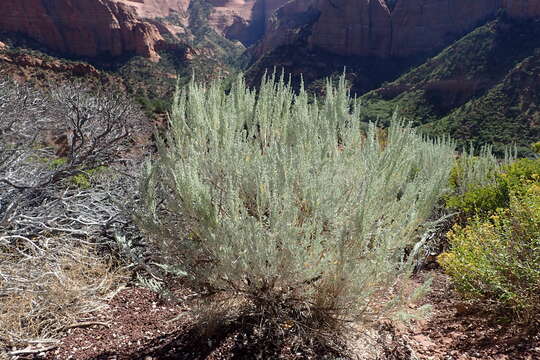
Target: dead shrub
x,y
43,290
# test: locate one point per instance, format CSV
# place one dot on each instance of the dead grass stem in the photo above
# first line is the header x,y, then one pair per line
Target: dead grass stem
x,y
46,288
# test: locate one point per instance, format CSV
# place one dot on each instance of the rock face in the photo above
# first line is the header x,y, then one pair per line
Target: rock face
x,y
353,27
522,8
373,28
283,28
158,8
232,18
76,69
420,26
90,28
156,11
381,28
87,28
242,20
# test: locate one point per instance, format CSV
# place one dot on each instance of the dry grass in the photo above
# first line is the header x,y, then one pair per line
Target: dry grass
x,y
46,287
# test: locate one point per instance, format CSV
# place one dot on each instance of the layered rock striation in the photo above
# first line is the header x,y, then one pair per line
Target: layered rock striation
x,y
381,28
151,9
242,20
87,28
91,28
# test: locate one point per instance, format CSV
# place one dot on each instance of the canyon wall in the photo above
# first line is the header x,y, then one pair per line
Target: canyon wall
x,y
91,28
419,26
152,9
242,20
87,28
372,28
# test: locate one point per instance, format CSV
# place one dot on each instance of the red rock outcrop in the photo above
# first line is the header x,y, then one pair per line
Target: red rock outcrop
x,y
152,9
29,61
243,20
353,27
421,26
87,28
91,28
371,28
282,28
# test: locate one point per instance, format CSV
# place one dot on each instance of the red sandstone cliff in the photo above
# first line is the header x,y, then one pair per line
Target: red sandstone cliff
x,y
422,26
81,27
158,8
155,12
243,20
371,28
91,28
346,27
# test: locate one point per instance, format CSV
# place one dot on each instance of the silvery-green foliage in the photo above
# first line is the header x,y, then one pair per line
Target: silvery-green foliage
x,y
478,168
279,198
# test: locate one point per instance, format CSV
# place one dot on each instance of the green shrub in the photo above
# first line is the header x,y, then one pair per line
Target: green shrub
x,y
518,173
536,147
83,180
484,195
497,261
287,204
475,189
56,162
479,201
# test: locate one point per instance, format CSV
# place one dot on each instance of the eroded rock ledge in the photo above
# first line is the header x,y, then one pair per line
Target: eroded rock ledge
x,y
87,28
384,28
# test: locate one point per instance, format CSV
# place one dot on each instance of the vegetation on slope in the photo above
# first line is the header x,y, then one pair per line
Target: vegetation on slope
x,y
279,214
482,89
202,51
507,113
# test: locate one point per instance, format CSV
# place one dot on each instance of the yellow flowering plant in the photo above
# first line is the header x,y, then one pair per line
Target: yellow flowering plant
x,y
496,261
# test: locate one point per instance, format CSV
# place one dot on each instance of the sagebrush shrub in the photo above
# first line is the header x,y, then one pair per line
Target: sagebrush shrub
x,y
287,203
496,261
470,171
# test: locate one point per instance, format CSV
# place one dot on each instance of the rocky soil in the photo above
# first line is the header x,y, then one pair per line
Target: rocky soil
x,y
138,324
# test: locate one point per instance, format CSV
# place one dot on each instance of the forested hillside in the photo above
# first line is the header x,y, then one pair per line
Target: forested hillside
x,y
483,89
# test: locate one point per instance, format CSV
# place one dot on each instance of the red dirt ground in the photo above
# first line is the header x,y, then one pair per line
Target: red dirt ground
x,y
141,326
456,331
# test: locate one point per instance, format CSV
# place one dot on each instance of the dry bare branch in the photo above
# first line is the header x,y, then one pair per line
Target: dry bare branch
x,y
30,351
56,210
